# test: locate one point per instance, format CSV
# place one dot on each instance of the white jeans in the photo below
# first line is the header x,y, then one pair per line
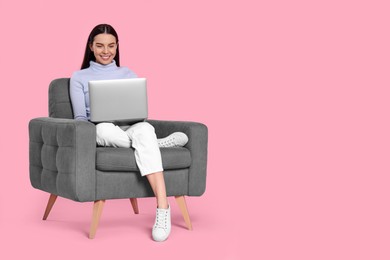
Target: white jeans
x,y
140,136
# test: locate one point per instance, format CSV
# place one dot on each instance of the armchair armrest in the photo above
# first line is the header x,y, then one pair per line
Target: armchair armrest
x,y
62,156
197,144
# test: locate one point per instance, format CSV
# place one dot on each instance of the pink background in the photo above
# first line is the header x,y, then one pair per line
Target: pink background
x,y
296,98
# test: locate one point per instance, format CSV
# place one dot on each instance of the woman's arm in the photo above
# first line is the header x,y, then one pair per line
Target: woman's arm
x,y
77,98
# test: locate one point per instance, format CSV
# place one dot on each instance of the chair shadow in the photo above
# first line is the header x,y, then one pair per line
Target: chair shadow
x,y
143,222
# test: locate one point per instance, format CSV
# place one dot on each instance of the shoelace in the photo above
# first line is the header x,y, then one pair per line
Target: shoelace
x,y
169,142
161,219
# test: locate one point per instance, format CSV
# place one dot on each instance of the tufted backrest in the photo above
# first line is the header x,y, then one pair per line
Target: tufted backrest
x,y
59,99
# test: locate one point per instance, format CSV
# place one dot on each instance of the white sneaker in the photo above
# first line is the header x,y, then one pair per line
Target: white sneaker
x,y
162,225
173,140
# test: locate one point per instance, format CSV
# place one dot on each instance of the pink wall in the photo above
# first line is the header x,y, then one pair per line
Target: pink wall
x,y
296,98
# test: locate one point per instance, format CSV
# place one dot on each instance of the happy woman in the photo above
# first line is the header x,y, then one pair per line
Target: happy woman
x,y
101,62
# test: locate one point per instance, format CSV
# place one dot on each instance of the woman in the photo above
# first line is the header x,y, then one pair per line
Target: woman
x,y
101,61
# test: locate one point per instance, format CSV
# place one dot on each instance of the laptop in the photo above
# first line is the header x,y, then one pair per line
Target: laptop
x,y
119,101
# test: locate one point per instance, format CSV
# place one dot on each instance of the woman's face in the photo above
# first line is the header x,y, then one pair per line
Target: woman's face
x,y
104,48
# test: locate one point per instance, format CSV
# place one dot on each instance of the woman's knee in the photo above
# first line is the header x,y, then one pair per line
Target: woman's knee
x,y
142,127
145,126
141,130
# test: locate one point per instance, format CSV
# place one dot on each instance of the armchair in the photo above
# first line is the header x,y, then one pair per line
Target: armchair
x,y
65,161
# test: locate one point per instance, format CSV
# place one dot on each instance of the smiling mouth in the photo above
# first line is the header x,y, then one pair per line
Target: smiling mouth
x,y
105,57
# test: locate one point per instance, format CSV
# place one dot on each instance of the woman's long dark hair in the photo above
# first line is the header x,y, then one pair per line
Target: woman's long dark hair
x,y
89,56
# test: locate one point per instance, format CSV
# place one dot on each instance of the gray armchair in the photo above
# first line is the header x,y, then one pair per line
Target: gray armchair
x,y
65,161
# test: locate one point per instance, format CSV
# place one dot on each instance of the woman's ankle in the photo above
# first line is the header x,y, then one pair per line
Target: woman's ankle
x,y
163,204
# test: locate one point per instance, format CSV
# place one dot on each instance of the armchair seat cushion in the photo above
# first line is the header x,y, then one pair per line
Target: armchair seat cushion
x,y
123,159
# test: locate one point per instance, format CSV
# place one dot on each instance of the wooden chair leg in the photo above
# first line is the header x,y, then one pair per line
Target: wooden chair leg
x,y
97,212
134,204
181,202
50,203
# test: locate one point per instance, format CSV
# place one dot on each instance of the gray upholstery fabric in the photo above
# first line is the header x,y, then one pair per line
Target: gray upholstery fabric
x,y
62,157
197,144
59,99
65,161
123,159
114,185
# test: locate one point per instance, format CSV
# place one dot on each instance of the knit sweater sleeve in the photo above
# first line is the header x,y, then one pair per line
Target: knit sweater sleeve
x,y
77,97
131,74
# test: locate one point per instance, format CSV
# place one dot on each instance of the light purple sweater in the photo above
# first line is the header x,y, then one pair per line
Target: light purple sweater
x,y
79,94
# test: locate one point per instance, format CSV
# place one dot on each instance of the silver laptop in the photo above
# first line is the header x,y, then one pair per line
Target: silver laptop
x,y
120,101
